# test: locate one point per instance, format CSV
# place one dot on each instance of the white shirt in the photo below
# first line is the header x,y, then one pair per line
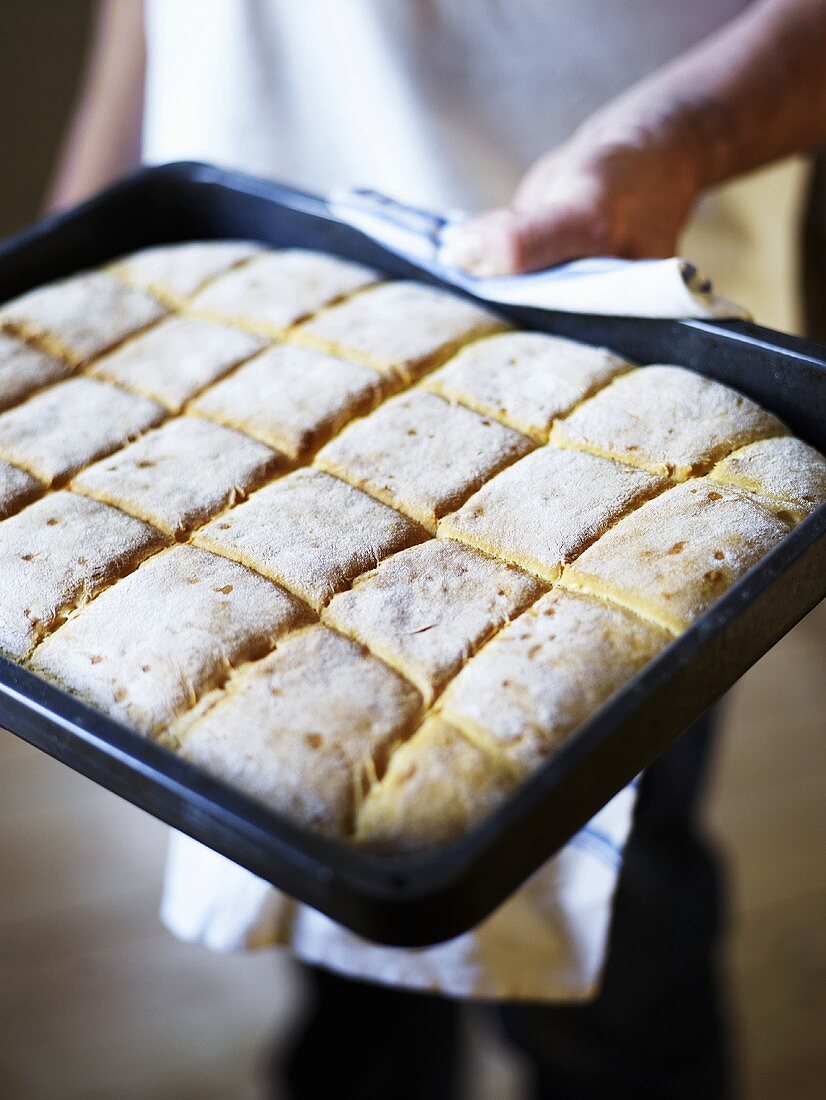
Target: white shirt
x,y
440,102
444,103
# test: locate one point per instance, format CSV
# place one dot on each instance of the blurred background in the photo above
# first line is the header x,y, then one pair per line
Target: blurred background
x,y
97,1000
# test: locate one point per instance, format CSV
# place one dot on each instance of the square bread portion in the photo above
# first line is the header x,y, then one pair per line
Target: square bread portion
x,y
422,455
56,555
151,645
174,272
438,785
292,398
400,328
78,318
16,489
667,420
426,609
785,474
180,474
530,687
525,379
176,359
306,729
67,426
310,532
673,557
24,368
276,289
544,510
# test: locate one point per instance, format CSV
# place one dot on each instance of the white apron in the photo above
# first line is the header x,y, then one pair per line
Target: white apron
x,y
442,103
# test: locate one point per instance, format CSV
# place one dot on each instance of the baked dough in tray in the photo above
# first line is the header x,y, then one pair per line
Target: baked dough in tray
x,y
174,273
666,419
276,289
176,359
355,547
151,645
24,368
80,317
422,455
292,398
402,329
179,475
525,379
62,428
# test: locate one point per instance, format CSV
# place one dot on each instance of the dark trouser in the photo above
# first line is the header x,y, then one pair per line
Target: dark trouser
x,y
655,1030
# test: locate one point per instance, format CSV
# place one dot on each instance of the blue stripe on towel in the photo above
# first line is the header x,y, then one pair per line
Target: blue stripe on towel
x,y
600,845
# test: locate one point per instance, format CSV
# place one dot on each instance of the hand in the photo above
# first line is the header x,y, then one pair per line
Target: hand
x,y
610,191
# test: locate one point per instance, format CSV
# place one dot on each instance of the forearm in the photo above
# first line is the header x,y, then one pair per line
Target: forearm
x,y
626,181
749,95
103,140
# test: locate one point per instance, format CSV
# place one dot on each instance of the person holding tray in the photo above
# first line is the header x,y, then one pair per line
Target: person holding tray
x,y
583,129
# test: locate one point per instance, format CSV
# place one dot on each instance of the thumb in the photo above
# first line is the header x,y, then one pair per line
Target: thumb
x,y
510,242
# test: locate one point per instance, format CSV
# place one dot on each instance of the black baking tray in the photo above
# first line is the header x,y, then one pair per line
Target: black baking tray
x,y
422,899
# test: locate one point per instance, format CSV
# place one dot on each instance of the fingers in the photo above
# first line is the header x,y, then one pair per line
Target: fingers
x,y
484,245
511,242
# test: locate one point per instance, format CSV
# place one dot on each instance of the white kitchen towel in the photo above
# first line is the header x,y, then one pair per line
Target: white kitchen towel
x,y
547,942
604,286
671,288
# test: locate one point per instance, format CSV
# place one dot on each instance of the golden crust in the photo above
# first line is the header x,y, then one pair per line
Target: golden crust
x,y
545,509
149,647
421,455
24,369
402,329
438,785
16,489
426,609
55,556
785,474
67,426
276,289
666,419
525,379
291,398
530,688
306,729
671,560
180,474
176,359
174,272
80,317
307,532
